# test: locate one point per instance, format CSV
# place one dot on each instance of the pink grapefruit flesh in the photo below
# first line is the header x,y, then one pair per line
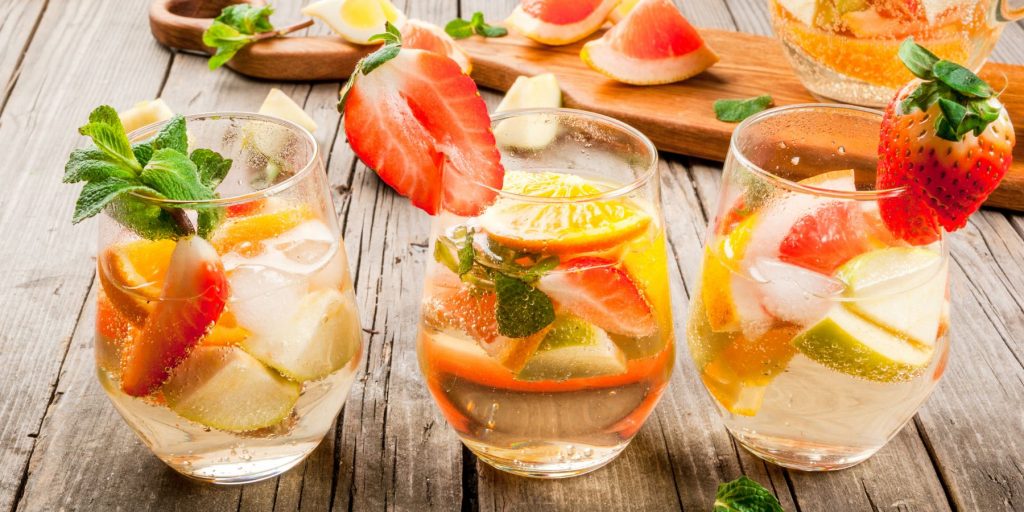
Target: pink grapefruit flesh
x,y
422,35
558,22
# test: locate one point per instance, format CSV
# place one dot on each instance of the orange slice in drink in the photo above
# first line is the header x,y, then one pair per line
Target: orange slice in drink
x,y
225,332
741,372
132,275
245,235
589,223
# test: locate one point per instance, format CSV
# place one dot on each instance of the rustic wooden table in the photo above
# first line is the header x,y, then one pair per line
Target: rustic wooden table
x,y
62,445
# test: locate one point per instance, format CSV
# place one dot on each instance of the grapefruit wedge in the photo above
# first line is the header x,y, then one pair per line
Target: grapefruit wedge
x,y
558,22
653,44
422,35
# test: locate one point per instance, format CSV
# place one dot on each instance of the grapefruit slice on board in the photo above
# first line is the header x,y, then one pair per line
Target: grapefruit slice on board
x,y
653,44
558,22
422,35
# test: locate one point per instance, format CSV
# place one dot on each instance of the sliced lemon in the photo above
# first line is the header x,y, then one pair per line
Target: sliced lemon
x,y
145,113
718,279
355,20
132,275
278,104
227,389
535,131
572,349
645,259
902,289
848,343
562,227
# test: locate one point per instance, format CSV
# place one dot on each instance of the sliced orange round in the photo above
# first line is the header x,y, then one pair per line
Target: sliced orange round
x,y
132,275
562,227
244,235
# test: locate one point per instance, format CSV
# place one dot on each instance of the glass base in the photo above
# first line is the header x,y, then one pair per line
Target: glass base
x,y
802,455
547,460
238,473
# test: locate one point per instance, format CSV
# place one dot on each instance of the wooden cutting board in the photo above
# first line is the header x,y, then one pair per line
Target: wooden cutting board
x,y
677,117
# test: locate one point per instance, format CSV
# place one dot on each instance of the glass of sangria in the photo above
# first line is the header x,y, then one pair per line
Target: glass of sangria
x,y
546,325
817,331
265,289
846,50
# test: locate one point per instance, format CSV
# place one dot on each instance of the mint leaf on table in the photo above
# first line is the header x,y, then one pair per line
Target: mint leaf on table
x,y
734,111
461,29
392,40
235,27
745,495
521,309
118,176
247,18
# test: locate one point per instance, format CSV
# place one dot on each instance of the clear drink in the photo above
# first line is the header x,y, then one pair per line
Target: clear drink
x,y
846,50
272,370
546,328
817,331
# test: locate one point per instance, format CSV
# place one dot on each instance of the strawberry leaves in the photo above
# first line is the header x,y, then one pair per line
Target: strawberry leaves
x,y
962,96
119,176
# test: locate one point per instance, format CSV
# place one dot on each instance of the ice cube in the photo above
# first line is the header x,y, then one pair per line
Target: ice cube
x,y
263,298
794,294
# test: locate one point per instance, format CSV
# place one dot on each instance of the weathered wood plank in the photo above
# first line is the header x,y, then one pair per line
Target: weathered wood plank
x,y
49,268
20,19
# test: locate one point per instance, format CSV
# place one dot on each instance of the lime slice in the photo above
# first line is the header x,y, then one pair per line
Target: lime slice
x,y
278,104
227,389
531,132
323,336
573,349
900,288
852,345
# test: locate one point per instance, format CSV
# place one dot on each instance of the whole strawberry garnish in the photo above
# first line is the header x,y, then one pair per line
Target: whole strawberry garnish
x,y
420,123
948,140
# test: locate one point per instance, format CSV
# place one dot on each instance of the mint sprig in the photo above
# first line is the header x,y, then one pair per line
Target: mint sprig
x,y
120,177
521,309
734,111
461,29
392,39
964,99
240,25
745,495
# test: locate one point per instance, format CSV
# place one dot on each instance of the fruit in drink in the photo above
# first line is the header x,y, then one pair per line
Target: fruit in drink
x,y
194,293
227,389
741,371
653,44
557,22
948,139
355,20
420,123
245,235
422,35
132,276
572,349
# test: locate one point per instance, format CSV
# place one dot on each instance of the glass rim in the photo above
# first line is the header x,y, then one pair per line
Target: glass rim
x,y
245,197
642,179
795,186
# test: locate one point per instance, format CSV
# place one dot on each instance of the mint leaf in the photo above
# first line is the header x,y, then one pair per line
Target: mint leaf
x,y
543,266
392,46
521,309
172,136
917,59
107,133
143,152
144,218
97,194
961,79
211,166
445,253
467,254
734,111
208,219
459,28
94,165
235,27
227,40
247,18
175,177
491,31
745,495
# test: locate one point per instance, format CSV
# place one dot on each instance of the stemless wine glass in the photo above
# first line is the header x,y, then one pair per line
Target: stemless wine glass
x,y
846,50
265,382
546,325
817,331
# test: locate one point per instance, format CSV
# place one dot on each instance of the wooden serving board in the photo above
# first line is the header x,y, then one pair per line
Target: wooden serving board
x,y
678,117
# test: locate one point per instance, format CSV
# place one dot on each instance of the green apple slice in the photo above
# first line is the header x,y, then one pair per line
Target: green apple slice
x,y
852,345
899,288
572,349
322,337
227,389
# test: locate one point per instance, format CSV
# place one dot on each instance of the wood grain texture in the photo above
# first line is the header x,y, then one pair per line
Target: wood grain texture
x,y
20,20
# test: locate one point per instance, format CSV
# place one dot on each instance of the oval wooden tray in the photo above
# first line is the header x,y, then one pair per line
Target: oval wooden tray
x,y
677,117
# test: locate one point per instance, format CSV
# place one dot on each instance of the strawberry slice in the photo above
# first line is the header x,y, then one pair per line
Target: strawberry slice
x,y
601,293
420,123
948,140
192,299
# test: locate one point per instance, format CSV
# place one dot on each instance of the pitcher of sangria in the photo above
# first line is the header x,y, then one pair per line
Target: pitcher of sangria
x,y
846,50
